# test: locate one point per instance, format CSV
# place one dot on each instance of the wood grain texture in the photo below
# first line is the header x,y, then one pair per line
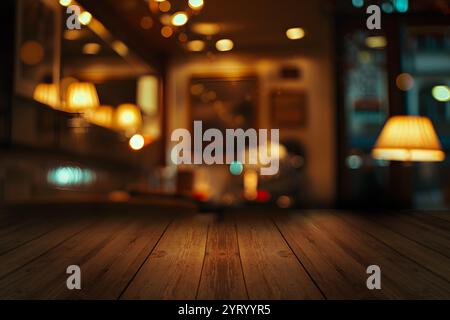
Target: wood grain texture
x,y
433,261
222,276
401,277
174,268
337,273
271,269
45,277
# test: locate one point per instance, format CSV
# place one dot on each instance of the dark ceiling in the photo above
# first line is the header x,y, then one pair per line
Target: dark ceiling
x,y
253,25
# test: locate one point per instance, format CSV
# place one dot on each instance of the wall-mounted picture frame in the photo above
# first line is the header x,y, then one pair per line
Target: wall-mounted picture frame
x,y
38,45
289,109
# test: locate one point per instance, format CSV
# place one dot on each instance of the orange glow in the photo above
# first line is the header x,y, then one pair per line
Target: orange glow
x,y
137,142
250,185
166,32
81,96
195,45
404,81
164,6
128,117
102,116
91,48
47,93
408,138
146,23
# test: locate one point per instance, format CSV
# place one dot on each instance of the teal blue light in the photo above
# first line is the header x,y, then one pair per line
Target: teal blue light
x,y
236,168
387,7
70,176
358,3
401,5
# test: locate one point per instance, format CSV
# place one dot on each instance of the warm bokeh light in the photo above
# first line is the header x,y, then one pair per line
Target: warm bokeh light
x,y
224,45
250,184
81,96
146,23
120,48
295,33
137,142
31,53
195,45
376,42
91,48
179,19
405,81
408,138
164,6
47,93
65,3
196,4
205,29
128,117
441,93
148,94
85,18
102,116
166,32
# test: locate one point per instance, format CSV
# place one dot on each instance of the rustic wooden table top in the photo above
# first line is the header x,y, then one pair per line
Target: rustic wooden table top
x,y
277,255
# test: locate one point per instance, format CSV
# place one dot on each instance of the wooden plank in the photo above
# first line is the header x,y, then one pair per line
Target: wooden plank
x,y
174,268
430,220
45,277
271,269
337,273
419,232
427,258
22,255
222,277
440,215
31,229
401,277
107,274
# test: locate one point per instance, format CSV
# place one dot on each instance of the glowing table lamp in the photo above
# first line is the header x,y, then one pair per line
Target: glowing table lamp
x,y
47,93
102,116
128,117
81,96
409,139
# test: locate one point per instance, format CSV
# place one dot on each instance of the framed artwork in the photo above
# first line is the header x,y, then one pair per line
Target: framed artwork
x,y
38,44
289,109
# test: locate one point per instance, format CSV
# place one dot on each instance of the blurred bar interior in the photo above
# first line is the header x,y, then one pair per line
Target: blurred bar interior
x,y
87,115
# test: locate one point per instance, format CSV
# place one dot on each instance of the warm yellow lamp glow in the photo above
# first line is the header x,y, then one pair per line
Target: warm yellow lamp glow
x,y
85,18
81,96
65,3
196,4
224,45
195,45
47,93
250,184
408,138
102,116
179,19
376,42
128,117
137,142
295,33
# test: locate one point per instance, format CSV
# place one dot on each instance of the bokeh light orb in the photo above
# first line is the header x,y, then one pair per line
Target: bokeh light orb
x,y
236,168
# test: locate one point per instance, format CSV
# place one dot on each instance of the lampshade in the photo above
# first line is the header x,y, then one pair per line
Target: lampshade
x,y
408,138
81,96
47,93
102,116
128,117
